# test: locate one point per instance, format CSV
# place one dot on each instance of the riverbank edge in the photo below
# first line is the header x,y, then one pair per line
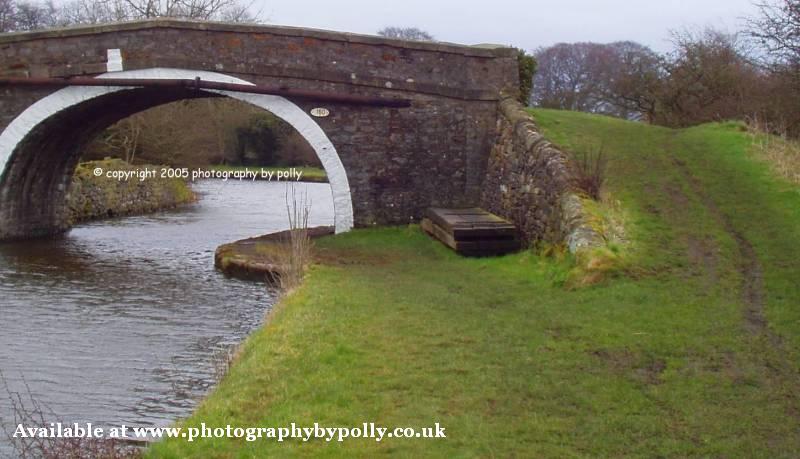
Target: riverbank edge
x,y
95,197
254,259
308,365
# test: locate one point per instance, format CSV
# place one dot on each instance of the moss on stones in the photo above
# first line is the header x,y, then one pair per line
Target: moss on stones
x,y
93,196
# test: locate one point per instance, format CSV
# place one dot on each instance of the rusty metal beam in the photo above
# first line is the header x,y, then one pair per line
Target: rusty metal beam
x,y
199,84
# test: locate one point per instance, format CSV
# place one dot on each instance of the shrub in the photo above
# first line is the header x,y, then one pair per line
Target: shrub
x,y
527,69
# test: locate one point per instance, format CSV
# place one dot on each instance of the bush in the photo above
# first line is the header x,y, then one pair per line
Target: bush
x,y
527,69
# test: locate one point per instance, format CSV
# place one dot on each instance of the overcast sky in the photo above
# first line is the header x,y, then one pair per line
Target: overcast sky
x,y
525,24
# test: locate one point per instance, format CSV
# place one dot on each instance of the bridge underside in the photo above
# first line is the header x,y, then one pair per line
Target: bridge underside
x,y
36,179
388,163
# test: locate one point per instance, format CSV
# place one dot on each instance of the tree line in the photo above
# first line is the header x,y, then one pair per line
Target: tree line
x,y
26,15
201,132
708,75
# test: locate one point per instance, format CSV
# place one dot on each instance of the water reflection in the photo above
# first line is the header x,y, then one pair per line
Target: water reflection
x,y
117,321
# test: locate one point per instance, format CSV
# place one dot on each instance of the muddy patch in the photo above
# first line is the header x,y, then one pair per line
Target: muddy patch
x,y
642,368
702,255
677,197
723,364
700,251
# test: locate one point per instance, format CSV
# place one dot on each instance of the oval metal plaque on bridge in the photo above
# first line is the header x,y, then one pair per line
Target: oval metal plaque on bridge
x,y
320,112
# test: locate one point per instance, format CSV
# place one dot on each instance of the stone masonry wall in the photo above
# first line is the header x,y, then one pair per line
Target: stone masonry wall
x,y
528,182
398,161
92,198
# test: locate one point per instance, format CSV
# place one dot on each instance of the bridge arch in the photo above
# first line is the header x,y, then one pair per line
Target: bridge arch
x,y
31,122
432,149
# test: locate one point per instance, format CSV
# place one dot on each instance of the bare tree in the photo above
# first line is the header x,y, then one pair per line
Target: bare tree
x,y
777,32
635,78
406,33
240,13
709,77
189,9
570,76
778,29
32,15
93,12
123,138
7,12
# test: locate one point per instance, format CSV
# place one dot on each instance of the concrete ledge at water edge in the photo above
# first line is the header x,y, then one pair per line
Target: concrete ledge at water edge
x,y
257,259
471,231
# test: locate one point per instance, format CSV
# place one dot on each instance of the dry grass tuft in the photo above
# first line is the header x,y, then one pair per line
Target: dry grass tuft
x,y
589,172
773,145
608,218
595,266
293,254
30,413
222,361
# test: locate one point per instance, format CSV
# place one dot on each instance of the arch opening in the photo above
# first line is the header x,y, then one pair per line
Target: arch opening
x,y
40,148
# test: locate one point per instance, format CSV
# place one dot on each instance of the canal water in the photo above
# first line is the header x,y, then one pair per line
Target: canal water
x,y
119,321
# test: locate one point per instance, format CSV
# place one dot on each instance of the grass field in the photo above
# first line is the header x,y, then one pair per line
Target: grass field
x,y
691,351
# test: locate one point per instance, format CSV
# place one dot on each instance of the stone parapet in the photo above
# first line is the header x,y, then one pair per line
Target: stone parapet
x,y
528,182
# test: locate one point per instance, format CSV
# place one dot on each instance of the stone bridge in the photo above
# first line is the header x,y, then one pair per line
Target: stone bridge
x,y
386,162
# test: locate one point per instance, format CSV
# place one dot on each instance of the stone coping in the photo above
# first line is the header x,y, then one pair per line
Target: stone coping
x,y
171,23
252,260
577,233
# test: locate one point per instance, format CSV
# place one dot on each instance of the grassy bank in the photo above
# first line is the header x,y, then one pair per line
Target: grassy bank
x,y
691,350
310,174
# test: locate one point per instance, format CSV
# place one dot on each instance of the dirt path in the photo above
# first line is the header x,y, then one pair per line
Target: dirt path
x,y
749,266
770,352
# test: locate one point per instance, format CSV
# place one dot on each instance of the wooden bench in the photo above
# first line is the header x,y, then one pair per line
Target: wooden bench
x,y
471,231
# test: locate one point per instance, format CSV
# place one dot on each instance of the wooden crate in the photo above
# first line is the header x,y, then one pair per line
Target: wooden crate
x,y
471,231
